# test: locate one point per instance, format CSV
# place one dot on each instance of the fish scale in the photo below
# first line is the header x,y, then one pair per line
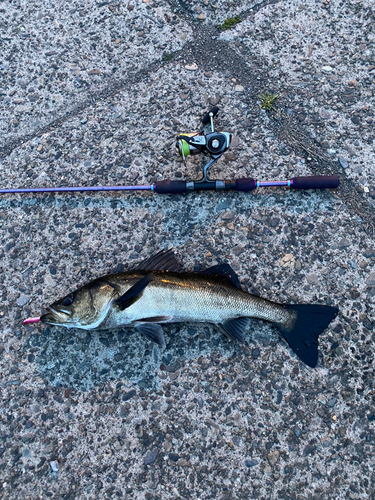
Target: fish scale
x,y
191,297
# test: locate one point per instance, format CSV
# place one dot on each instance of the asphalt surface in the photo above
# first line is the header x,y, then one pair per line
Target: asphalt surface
x,y
95,93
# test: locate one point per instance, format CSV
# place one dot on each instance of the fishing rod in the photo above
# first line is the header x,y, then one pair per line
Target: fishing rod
x,y
213,144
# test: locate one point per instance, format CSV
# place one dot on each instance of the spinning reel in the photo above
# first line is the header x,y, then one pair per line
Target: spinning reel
x,y
214,144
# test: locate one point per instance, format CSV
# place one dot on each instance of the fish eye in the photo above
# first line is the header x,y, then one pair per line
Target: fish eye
x,y
69,299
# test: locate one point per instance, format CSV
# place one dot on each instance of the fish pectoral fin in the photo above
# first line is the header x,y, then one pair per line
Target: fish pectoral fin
x,y
152,332
223,271
164,260
155,319
134,293
235,329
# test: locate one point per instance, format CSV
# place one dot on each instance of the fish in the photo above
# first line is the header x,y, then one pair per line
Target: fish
x,y
157,292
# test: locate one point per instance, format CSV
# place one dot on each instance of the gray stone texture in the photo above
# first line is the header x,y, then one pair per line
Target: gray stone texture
x,y
95,93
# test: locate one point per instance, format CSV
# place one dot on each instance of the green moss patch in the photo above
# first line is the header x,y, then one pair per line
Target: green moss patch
x,y
229,23
267,101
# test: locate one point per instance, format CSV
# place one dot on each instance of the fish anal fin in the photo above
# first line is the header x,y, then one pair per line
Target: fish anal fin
x,y
165,260
235,329
155,319
152,332
134,293
223,271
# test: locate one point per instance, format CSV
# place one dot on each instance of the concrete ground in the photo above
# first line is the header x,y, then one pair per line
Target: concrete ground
x,y
94,93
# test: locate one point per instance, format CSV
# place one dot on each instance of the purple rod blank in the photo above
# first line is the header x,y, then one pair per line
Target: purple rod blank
x,y
77,189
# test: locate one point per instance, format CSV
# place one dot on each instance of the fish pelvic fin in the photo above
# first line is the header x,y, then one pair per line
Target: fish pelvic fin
x,y
234,329
134,293
302,332
152,332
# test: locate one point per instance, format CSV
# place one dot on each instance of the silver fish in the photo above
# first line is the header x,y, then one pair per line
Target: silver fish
x,y
156,293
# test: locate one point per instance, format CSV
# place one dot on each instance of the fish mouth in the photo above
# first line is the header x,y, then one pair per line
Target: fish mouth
x,y
53,317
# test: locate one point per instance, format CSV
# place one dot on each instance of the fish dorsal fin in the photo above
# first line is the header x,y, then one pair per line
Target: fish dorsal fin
x,y
134,293
164,260
152,332
235,328
224,271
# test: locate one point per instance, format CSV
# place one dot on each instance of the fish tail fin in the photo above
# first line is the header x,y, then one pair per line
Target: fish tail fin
x,y
307,322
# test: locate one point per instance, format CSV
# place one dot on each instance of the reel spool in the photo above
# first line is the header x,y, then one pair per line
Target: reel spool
x,y
185,148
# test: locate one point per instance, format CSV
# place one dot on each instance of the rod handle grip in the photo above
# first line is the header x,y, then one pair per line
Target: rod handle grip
x,y
170,187
245,184
316,182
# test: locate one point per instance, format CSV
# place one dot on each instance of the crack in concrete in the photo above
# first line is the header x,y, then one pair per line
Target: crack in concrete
x,y
205,34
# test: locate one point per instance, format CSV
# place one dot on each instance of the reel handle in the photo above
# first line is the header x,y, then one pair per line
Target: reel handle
x,y
206,118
